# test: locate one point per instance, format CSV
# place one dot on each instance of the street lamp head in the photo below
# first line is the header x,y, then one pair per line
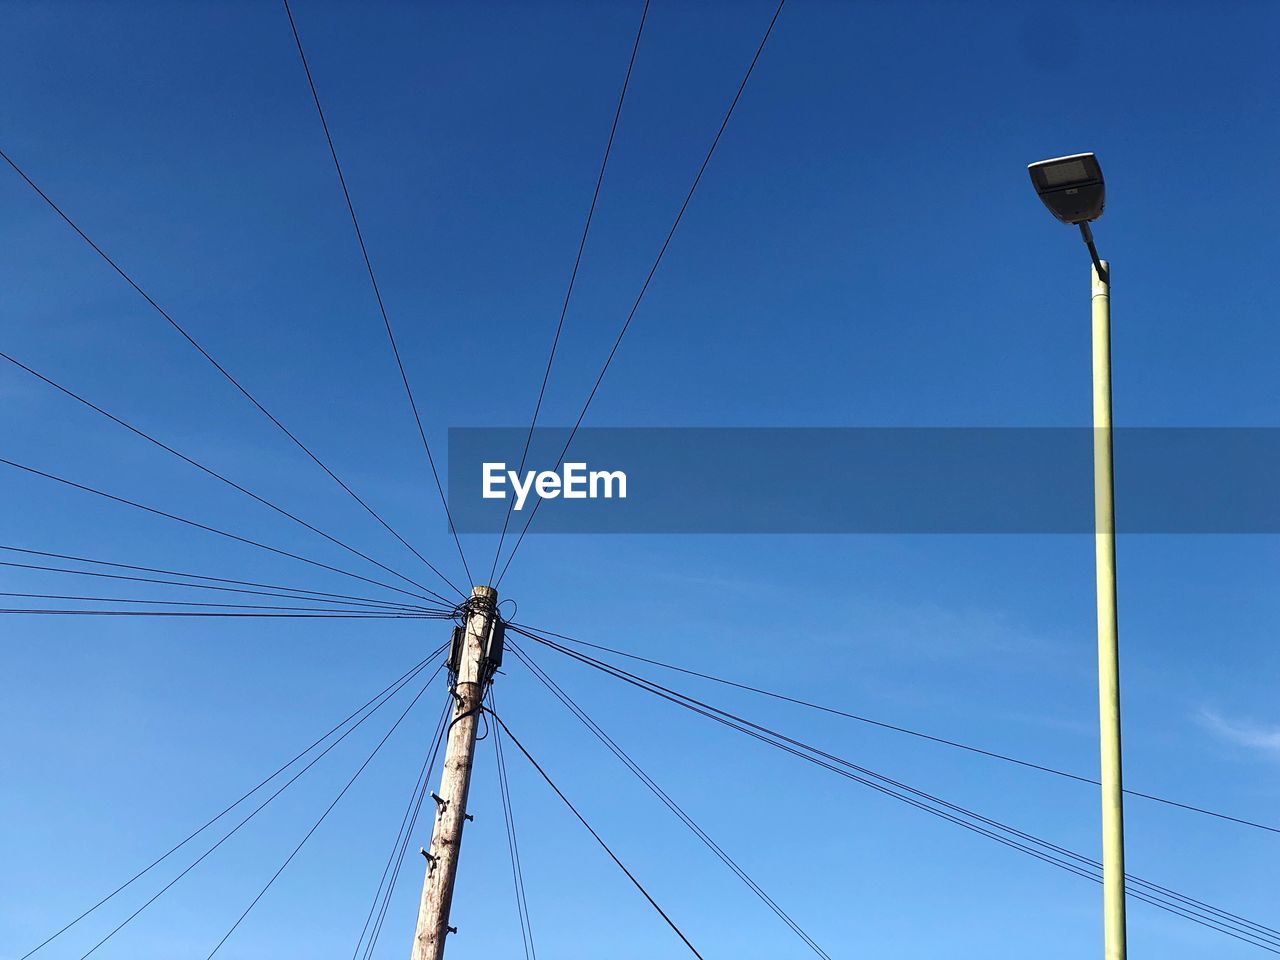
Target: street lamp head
x,y
1071,187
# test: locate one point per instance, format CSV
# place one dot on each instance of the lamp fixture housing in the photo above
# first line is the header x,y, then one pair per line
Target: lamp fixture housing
x,y
1071,187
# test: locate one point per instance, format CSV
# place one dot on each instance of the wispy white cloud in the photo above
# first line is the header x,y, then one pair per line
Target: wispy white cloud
x,y
1242,732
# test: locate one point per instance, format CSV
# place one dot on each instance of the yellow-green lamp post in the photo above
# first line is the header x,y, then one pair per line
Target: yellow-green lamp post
x,y
1072,189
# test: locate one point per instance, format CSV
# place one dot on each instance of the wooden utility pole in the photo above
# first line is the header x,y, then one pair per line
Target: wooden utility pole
x,y
475,654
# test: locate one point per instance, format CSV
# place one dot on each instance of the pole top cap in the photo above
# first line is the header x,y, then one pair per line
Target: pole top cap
x,y
482,592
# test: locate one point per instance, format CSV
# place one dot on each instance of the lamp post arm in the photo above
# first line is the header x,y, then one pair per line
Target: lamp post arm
x,y
1098,265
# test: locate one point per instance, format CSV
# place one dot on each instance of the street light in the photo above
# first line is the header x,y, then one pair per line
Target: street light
x,y
1073,190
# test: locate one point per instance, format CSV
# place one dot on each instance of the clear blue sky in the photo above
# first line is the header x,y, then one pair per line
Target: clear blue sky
x,y
865,250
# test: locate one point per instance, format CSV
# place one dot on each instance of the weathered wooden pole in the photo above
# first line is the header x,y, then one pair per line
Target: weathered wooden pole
x,y
475,653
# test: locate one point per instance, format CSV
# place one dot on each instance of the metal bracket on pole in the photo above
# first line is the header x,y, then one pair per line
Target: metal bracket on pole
x,y
1087,235
441,804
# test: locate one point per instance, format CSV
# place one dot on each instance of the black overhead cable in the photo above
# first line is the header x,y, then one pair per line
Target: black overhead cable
x,y
1187,907
665,798
1216,922
649,278
394,685
820,758
218,476
413,822
316,826
403,832
377,293
362,615
368,712
190,603
375,605
573,276
513,843
581,819
206,528
292,594
217,366
900,729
